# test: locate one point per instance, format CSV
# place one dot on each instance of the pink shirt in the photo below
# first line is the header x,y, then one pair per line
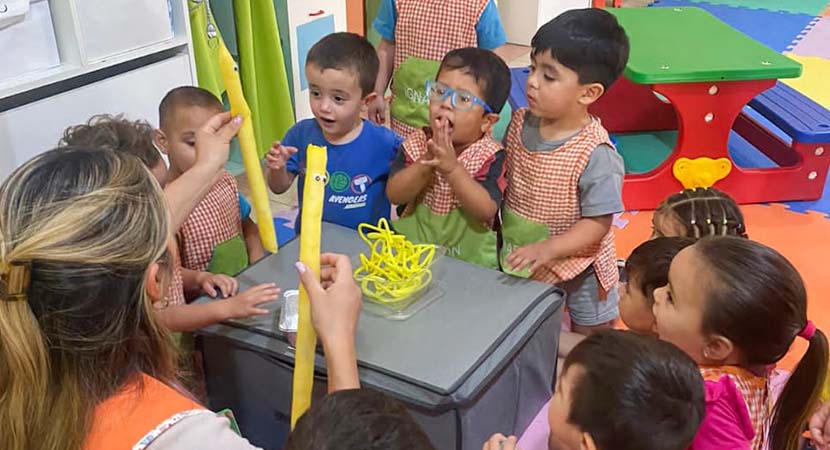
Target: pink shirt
x,y
727,425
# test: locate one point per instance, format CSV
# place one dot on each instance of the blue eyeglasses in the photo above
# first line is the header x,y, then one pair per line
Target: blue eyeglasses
x,y
461,100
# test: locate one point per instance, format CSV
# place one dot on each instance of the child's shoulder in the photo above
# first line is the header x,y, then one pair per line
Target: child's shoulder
x,y
380,136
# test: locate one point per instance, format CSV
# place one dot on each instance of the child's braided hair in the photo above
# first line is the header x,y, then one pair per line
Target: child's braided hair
x,y
705,212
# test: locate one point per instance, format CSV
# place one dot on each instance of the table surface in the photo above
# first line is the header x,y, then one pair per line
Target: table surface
x,y
682,45
437,347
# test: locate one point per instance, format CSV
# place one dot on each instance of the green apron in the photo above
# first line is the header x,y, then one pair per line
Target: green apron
x,y
518,232
410,104
229,257
463,237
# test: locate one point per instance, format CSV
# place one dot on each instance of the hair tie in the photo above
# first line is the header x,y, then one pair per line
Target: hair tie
x,y
808,331
14,281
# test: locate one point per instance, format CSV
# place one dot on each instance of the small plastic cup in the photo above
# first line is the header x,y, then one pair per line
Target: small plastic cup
x,y
289,315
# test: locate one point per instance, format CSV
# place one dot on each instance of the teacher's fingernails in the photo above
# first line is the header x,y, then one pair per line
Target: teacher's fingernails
x,y
301,268
237,120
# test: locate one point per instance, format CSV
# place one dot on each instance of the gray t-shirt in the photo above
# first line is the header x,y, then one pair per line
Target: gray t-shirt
x,y
600,185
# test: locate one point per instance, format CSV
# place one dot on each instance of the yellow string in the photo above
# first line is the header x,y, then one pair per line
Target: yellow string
x,y
395,268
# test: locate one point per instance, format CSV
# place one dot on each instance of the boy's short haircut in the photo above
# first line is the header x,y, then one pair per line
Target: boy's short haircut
x,y
588,41
347,51
635,392
115,133
489,71
186,96
649,263
357,419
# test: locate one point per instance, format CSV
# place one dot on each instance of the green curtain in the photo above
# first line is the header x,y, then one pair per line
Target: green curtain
x,y
260,58
262,69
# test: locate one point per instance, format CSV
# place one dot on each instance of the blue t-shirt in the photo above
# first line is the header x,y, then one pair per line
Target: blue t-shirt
x,y
358,172
244,207
488,29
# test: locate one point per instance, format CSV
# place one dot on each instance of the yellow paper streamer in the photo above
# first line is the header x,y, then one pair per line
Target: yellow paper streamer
x,y
312,217
247,144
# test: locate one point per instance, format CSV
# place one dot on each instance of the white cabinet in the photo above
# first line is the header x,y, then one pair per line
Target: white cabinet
x,y
33,128
308,22
521,18
115,56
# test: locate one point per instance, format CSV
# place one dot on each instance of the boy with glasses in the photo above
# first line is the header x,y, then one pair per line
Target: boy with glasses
x,y
449,175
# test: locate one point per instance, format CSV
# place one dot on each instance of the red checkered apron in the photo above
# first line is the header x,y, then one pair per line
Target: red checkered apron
x,y
429,29
755,391
439,196
214,220
543,187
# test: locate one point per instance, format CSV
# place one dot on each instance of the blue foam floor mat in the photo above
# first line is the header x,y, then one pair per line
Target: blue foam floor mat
x,y
776,30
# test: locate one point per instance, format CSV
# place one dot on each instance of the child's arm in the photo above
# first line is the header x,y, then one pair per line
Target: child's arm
x,y
252,240
192,317
386,57
585,232
277,174
474,199
198,283
405,185
212,147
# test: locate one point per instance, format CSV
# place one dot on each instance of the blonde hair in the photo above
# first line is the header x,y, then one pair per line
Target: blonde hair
x,y
88,223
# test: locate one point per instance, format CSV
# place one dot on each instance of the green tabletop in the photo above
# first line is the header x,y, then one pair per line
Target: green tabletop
x,y
686,45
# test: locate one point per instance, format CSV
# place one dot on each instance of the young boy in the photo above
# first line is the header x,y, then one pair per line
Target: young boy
x,y
136,138
621,391
416,34
564,178
647,269
214,237
449,180
340,69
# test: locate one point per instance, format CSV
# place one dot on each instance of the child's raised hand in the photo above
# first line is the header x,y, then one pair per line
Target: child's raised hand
x,y
213,140
279,155
501,442
533,255
212,284
440,146
246,304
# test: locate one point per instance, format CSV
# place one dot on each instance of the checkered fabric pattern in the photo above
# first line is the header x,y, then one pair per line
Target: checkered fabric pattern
x,y
429,29
215,220
439,197
543,187
755,391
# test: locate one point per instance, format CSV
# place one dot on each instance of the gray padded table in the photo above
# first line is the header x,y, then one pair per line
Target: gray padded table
x,y
479,359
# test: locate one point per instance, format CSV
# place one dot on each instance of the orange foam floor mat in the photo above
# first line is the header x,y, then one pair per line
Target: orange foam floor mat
x,y
803,238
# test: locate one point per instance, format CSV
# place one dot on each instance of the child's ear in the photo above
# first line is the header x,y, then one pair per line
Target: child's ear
x,y
718,349
160,139
367,100
489,122
153,282
591,93
587,442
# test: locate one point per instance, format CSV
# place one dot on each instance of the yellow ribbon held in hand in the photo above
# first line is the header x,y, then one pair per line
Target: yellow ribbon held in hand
x,y
395,268
311,222
247,145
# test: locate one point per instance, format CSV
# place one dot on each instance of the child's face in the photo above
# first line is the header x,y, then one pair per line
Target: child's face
x,y
666,224
466,126
179,135
336,100
554,91
635,309
679,306
563,434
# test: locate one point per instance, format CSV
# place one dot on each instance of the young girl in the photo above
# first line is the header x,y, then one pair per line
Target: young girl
x,y
698,213
736,306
